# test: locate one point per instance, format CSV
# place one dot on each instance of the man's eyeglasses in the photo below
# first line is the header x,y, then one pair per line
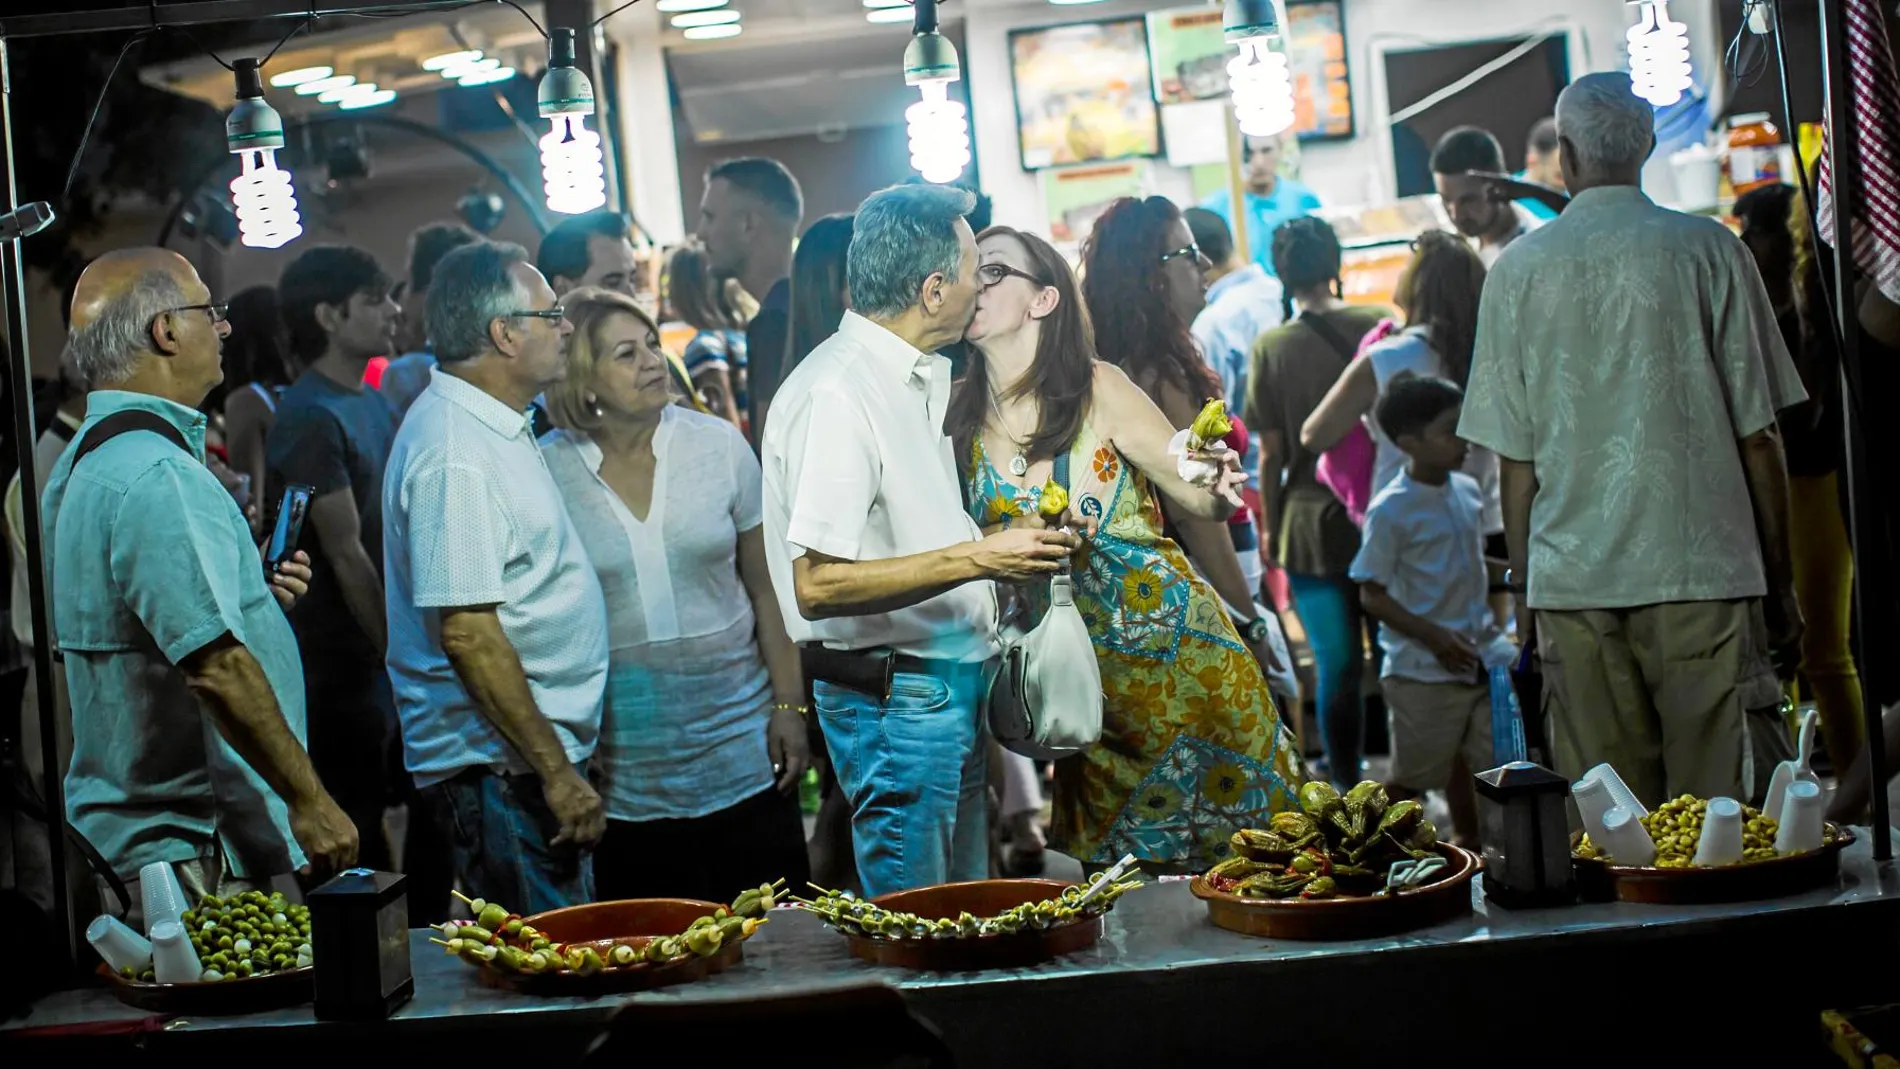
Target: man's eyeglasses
x,y
1191,250
992,274
552,315
218,312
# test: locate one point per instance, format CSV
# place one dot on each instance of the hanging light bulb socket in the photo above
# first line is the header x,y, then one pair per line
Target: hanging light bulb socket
x,y
938,126
265,198
572,170
1261,82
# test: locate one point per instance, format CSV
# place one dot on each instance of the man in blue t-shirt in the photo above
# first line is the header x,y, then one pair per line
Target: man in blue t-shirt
x,y
1271,199
333,434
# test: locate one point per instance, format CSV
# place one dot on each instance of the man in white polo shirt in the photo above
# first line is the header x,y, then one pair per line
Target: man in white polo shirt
x,y
884,579
497,625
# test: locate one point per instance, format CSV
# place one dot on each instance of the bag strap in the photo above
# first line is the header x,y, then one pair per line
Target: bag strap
x,y
1061,474
126,422
108,428
1330,335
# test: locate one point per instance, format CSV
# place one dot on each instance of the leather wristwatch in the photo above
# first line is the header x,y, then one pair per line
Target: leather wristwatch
x,y
1254,631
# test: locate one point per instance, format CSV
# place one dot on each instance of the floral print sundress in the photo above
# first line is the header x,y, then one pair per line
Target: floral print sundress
x,y
1192,747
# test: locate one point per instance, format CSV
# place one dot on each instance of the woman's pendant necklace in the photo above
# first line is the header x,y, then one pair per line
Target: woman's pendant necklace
x,y
1018,464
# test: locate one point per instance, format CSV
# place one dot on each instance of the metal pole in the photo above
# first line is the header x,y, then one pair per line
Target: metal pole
x,y
20,381
1237,183
1872,561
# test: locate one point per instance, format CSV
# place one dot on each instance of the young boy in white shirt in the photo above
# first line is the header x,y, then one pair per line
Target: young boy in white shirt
x,y
1423,575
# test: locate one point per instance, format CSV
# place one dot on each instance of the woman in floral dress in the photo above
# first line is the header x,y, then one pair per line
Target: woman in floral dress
x,y
1192,747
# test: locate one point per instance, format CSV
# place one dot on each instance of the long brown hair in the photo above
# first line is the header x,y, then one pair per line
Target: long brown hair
x,y
1138,328
1060,377
698,297
1439,290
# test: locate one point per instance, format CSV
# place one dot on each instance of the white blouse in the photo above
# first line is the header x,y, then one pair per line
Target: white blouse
x,y
688,695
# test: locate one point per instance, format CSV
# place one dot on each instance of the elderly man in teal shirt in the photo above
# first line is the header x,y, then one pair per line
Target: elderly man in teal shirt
x,y
187,691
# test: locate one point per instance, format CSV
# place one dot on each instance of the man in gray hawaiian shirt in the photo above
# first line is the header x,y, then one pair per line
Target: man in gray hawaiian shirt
x,y
1628,371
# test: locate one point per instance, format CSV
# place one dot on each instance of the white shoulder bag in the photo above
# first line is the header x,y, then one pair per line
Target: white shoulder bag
x,y
1045,702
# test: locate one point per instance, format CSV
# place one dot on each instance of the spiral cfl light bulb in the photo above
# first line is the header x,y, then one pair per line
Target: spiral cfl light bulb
x,y
1659,56
939,134
262,193
1262,88
266,202
572,173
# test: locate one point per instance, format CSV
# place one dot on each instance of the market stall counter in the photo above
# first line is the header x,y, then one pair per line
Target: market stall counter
x,y
1163,984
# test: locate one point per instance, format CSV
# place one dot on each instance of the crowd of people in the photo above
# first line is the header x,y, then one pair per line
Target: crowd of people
x,y
585,611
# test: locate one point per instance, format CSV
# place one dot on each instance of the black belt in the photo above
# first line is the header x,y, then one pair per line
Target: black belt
x,y
868,671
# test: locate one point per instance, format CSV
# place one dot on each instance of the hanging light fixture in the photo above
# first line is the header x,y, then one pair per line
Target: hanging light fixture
x,y
1261,83
263,195
939,131
1659,55
571,167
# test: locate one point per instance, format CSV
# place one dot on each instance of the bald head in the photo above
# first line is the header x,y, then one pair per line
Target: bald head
x,y
141,321
115,274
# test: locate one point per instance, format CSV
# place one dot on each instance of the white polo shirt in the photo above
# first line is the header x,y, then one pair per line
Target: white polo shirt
x,y
857,467
472,517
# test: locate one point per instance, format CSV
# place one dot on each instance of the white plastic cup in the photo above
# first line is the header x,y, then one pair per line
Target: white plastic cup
x,y
1626,840
1594,799
1698,175
1803,818
160,896
117,944
173,960
1721,842
1618,789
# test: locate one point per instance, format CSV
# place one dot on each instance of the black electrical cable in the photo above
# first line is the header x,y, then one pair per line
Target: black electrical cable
x,y
294,31
85,135
525,15
201,47
615,11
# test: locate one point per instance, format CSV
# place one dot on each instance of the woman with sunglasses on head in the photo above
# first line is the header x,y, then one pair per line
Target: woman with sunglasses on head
x,y
1144,281
703,738
1308,530
1192,748
1438,292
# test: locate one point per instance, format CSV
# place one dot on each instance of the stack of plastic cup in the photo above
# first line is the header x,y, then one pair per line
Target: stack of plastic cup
x,y
120,947
1619,790
1625,839
1594,799
160,896
173,960
1802,820
1721,842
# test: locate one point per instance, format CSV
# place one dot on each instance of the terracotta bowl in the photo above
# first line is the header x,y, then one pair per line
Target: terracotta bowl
x,y
1447,898
252,994
979,898
605,925
1604,881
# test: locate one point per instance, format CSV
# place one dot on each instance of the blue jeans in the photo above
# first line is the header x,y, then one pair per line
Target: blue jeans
x,y
913,773
1329,611
499,828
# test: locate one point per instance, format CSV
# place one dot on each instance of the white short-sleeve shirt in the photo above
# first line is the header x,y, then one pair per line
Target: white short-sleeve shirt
x,y
471,517
1425,545
688,694
857,467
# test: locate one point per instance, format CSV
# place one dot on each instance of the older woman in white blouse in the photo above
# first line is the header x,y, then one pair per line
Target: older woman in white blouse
x,y
703,738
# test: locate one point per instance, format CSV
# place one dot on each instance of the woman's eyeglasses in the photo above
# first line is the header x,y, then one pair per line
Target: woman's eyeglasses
x,y
1191,250
991,274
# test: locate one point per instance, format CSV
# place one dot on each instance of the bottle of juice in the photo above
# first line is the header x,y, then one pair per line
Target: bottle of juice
x,y
1754,152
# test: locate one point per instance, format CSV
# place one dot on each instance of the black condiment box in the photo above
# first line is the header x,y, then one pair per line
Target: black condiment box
x,y
359,936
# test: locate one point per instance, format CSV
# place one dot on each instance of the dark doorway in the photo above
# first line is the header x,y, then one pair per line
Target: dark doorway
x,y
1507,102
